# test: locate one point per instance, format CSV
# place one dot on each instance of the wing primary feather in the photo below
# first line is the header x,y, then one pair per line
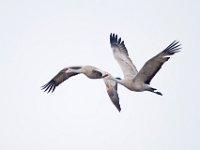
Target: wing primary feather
x,y
173,48
50,87
119,40
47,87
115,42
44,86
54,87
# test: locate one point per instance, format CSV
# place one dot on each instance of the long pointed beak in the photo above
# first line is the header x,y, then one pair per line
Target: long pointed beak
x,y
105,75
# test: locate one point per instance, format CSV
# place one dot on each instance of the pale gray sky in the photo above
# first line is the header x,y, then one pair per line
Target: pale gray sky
x,y
38,38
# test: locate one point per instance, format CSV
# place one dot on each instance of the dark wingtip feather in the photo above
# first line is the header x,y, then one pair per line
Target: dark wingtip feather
x,y
119,109
49,87
119,40
117,105
173,48
116,42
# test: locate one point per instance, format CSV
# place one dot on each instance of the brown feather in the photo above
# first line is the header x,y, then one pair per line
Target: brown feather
x,y
152,66
58,79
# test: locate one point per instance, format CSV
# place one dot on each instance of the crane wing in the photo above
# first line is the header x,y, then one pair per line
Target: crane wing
x,y
111,87
152,66
58,79
121,55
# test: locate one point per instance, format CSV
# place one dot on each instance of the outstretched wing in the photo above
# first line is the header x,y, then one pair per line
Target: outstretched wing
x,y
152,66
63,75
121,55
111,87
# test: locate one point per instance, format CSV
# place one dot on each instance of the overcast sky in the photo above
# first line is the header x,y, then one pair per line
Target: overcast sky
x,y
38,38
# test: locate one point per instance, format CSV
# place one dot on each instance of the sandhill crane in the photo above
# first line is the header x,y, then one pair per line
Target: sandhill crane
x,y
134,80
92,73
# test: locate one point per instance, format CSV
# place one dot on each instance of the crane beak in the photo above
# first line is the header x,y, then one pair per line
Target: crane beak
x,y
105,75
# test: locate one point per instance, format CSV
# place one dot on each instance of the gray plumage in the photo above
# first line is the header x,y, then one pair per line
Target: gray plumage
x,y
134,80
92,73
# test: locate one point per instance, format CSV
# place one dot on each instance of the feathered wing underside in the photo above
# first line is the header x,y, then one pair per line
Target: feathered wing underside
x,y
121,55
58,79
111,87
152,66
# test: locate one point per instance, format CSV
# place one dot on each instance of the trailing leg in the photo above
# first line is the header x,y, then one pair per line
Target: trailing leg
x,y
153,90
